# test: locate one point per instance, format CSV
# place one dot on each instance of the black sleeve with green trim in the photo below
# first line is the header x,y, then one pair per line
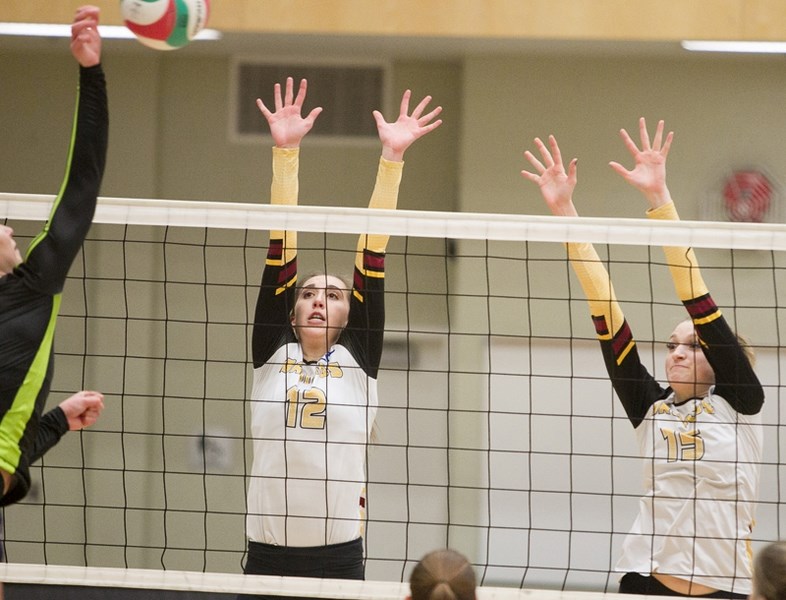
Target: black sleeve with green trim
x,y
53,251
52,426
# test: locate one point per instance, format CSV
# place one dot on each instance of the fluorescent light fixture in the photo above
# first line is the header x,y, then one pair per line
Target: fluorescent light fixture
x,y
115,32
731,46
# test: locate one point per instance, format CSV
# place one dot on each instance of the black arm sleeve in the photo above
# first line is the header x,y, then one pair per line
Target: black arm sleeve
x,y
365,330
52,252
735,379
52,426
274,303
636,388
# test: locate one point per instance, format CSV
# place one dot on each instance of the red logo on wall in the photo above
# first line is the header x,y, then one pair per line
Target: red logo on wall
x,y
747,196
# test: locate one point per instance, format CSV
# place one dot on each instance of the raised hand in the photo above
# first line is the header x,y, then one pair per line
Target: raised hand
x,y
287,126
85,39
649,172
399,135
555,184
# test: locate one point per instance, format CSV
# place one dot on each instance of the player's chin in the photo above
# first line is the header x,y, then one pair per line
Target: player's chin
x,y
313,332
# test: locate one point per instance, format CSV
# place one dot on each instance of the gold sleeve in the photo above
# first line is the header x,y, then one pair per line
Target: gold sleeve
x,y
682,262
284,191
385,195
596,283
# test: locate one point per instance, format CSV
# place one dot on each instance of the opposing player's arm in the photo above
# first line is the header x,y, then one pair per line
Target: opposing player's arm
x,y
52,252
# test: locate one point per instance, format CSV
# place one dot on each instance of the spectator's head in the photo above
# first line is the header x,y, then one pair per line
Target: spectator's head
x,y
769,573
442,575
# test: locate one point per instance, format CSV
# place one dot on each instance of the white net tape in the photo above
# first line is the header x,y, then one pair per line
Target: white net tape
x,y
223,583
433,224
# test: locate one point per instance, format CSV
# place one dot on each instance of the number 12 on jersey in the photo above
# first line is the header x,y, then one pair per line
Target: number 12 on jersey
x,y
306,408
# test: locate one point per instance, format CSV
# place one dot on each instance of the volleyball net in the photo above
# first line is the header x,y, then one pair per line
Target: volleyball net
x,y
499,433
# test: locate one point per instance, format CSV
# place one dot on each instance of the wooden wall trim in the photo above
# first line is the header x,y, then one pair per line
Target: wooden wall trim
x,y
636,20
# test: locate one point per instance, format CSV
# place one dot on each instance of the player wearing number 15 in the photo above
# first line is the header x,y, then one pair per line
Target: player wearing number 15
x,y
316,351
701,436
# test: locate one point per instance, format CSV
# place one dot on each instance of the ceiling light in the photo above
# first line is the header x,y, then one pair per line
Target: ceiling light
x,y
730,46
116,32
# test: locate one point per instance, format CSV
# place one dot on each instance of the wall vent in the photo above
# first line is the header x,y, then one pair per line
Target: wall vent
x,y
347,92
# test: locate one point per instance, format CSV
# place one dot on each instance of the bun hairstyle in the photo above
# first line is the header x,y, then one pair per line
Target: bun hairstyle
x,y
769,573
443,575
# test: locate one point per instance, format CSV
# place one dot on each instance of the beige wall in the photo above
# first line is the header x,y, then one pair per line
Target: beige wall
x,y
726,115
169,133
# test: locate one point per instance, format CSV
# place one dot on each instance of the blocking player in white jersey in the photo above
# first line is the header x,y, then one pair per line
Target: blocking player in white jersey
x,y
701,436
316,352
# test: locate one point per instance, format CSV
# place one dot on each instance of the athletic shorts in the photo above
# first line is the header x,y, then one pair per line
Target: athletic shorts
x,y
634,583
336,561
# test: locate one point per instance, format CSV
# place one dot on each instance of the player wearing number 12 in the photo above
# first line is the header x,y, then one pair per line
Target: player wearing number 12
x,y
700,437
316,351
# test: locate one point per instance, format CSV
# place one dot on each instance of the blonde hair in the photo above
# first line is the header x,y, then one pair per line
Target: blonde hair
x,y
443,575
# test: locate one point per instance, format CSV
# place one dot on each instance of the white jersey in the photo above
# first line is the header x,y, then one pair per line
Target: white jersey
x,y
310,425
701,476
701,457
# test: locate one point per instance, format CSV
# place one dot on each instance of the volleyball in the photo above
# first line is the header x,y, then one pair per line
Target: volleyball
x,y
165,24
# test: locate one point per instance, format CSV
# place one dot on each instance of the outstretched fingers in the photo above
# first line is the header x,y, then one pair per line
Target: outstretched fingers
x,y
301,93
288,94
533,160
658,140
263,109
644,135
667,144
619,169
548,159
398,135
551,160
403,109
556,155
629,143
278,102
421,107
287,124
